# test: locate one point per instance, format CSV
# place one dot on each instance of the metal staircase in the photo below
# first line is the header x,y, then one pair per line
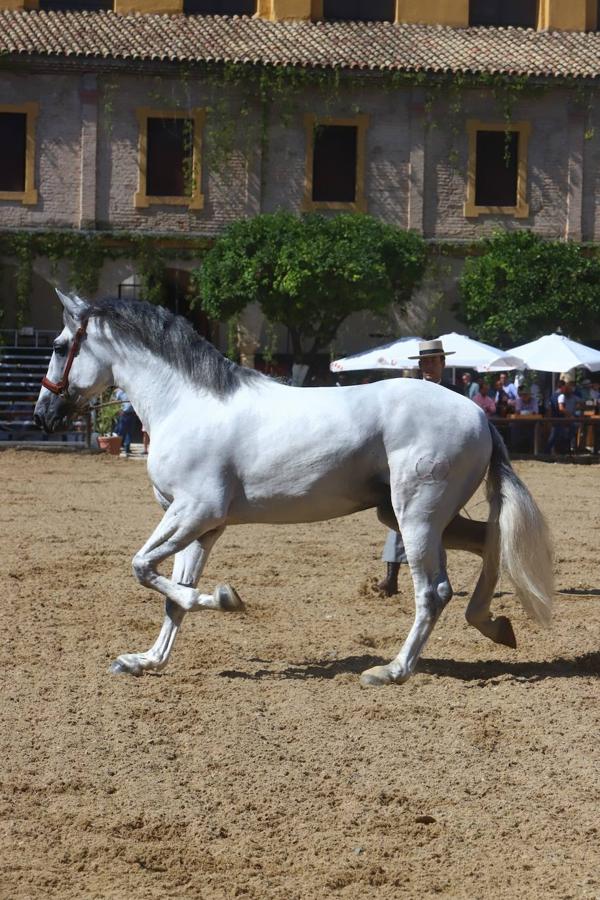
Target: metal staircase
x,y
21,371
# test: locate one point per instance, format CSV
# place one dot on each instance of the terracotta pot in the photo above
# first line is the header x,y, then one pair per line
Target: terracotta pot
x,y
111,444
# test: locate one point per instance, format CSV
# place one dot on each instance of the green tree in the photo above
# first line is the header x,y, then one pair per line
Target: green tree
x,y
309,273
523,286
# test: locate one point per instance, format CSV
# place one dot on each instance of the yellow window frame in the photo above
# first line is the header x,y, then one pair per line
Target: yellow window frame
x,y
311,123
194,200
521,208
29,196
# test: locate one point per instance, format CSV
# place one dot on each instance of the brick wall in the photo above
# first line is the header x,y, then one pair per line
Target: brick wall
x,y
415,174
416,160
58,158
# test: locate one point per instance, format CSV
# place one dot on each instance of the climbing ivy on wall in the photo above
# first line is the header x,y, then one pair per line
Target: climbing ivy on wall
x,y
246,97
85,254
239,120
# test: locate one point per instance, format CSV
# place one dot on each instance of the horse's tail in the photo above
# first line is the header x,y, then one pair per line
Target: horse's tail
x,y
518,532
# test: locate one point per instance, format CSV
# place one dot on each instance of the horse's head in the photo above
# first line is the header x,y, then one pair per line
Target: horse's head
x,y
76,372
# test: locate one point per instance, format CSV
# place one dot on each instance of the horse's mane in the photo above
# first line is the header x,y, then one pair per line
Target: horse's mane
x,y
173,339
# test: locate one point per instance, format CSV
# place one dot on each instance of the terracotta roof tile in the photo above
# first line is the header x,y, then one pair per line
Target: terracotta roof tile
x,y
377,46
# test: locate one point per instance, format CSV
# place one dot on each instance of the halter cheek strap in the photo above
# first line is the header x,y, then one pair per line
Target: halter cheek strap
x,y
60,387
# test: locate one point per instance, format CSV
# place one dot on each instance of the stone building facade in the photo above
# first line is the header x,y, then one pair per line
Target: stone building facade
x,y
114,119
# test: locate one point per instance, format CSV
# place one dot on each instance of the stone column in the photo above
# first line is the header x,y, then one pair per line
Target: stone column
x,y
88,94
556,15
278,10
416,164
575,148
433,12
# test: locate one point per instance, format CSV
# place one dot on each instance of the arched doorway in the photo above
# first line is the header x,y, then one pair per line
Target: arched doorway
x,y
42,312
178,293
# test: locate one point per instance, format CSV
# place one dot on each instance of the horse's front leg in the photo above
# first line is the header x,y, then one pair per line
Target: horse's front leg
x,y
187,568
179,590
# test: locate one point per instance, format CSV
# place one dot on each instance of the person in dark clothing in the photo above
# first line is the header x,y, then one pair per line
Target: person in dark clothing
x,y
126,420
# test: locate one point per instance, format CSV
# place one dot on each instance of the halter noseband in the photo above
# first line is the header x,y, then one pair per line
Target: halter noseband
x,y
60,387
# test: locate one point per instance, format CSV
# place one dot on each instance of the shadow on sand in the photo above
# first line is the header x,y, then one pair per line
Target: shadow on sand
x,y
580,592
588,664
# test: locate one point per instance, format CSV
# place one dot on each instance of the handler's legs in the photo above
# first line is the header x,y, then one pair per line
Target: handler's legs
x,y
393,554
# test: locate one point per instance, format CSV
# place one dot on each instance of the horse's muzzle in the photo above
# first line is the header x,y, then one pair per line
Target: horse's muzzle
x,y
53,414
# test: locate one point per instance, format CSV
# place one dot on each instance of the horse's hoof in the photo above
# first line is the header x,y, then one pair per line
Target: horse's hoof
x,y
376,677
228,598
504,633
121,666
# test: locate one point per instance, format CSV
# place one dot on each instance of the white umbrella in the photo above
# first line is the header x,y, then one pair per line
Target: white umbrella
x,y
389,356
472,354
468,354
557,353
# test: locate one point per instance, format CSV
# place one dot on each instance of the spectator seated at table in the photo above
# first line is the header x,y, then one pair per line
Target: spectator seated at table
x,y
509,388
526,404
589,392
504,404
469,387
482,398
521,436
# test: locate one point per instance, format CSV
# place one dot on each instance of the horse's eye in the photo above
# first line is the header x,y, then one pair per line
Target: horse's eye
x,y
60,349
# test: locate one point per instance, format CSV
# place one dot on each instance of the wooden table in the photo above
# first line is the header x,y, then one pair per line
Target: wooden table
x,y
540,425
589,433
525,419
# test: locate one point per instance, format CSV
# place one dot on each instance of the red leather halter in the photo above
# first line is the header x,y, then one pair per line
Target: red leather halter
x,y
60,387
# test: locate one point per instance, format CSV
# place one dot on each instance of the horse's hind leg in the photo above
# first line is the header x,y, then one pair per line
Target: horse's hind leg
x,y
427,561
478,611
460,534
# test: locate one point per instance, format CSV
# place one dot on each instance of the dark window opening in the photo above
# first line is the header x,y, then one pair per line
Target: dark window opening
x,y
76,5
219,7
130,290
169,157
334,163
598,15
519,13
496,168
360,10
13,146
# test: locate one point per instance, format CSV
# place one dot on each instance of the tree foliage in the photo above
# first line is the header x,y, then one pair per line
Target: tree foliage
x,y
523,286
309,273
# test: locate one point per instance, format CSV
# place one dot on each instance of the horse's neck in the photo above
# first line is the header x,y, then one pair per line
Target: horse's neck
x,y
152,386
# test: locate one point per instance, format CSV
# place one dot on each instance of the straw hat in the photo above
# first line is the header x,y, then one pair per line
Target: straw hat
x,y
431,348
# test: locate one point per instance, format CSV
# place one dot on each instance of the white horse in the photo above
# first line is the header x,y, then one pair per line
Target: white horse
x,y
229,446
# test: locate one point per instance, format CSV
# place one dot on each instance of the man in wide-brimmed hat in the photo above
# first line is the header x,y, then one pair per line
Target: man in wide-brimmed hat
x,y
432,359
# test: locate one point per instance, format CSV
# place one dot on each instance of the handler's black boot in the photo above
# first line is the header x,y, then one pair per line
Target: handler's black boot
x,y
389,585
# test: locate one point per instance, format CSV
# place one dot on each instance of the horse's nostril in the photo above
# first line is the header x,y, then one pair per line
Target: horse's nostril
x,y
37,421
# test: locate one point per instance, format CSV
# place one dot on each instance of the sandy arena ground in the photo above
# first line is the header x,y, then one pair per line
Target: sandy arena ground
x,y
256,766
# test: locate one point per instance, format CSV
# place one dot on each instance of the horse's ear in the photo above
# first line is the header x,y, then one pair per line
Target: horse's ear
x,y
74,307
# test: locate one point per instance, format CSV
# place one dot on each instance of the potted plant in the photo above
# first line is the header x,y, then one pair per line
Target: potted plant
x,y
106,414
